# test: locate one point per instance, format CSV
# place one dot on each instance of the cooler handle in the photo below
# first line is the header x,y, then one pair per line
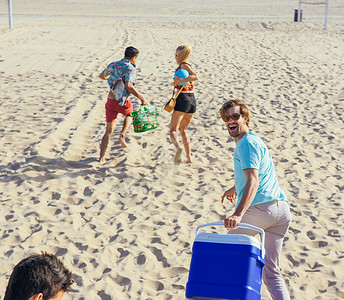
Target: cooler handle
x,y
242,225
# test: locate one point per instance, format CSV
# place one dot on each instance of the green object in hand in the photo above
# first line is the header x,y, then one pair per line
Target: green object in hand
x,y
146,118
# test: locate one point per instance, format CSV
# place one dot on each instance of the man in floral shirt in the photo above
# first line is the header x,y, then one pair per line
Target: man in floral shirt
x,y
121,76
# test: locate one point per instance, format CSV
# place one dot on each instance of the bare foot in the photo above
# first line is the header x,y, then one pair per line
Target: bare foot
x,y
177,157
122,141
101,159
189,159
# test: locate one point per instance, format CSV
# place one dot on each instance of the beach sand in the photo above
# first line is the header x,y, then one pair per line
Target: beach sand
x,y
126,227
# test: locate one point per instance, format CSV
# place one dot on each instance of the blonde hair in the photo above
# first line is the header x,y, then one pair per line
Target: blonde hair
x,y
183,53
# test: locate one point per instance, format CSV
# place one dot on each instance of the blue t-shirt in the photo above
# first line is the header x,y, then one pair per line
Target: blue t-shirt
x,y
123,69
252,153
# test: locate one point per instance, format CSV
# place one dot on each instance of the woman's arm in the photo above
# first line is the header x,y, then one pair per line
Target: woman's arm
x,y
193,76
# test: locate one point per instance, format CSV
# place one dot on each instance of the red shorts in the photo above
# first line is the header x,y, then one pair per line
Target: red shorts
x,y
113,108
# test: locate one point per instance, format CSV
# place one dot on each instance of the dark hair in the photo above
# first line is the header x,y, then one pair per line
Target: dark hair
x,y
131,52
235,102
39,273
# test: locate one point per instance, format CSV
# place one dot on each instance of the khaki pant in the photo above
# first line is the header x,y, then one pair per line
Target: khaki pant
x,y
274,218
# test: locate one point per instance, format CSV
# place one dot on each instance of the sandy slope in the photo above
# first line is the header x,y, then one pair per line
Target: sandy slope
x,y
125,228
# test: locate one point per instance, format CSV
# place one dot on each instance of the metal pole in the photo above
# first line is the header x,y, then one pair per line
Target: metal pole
x,y
10,14
299,12
326,12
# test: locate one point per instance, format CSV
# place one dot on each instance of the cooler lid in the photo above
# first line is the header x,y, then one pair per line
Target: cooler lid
x,y
239,239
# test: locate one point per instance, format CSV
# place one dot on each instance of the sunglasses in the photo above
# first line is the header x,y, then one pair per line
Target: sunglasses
x,y
235,117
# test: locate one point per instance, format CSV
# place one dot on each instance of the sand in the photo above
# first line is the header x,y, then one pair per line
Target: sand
x,y
126,227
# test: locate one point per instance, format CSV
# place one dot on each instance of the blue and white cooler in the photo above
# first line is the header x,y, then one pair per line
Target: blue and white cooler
x,y
226,266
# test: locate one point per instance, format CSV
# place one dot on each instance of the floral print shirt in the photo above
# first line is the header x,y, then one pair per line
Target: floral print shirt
x,y
122,69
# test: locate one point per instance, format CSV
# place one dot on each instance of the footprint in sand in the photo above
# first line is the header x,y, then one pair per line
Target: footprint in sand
x,y
160,257
123,281
104,296
141,259
124,253
174,271
153,285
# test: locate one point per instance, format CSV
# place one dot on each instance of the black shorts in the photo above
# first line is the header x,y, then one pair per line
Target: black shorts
x,y
186,102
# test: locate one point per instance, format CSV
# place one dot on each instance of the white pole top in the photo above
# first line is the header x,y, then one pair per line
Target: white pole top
x,y
299,12
10,14
326,13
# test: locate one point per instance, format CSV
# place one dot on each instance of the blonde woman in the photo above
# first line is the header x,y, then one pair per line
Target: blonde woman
x,y
185,104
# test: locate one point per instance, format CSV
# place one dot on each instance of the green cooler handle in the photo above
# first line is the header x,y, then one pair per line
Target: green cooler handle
x,y
242,225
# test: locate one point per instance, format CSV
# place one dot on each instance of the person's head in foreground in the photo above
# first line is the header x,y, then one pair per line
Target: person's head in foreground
x,y
131,54
183,53
236,117
39,277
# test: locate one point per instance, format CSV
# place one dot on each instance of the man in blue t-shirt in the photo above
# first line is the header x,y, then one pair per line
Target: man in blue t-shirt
x,y
260,200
